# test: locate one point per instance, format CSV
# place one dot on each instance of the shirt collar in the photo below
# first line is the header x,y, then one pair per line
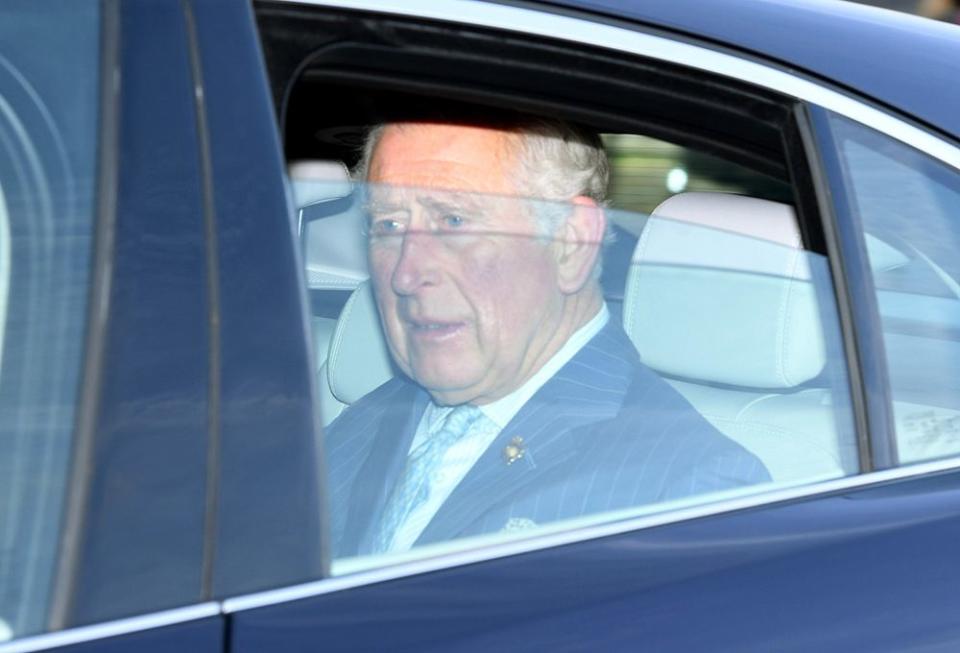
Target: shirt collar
x,y
503,410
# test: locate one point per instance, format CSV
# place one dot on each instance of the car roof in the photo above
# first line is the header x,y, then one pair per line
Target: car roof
x,y
906,62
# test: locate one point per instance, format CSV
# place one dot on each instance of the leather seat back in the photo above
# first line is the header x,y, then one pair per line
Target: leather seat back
x,y
359,360
723,301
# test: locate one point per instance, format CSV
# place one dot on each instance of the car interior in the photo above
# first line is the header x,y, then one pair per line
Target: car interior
x,y
717,291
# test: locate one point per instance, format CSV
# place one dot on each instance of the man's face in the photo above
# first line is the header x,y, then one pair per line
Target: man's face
x,y
467,289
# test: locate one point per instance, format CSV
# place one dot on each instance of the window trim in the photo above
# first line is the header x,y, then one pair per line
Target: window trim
x,y
214,364
98,311
117,627
858,305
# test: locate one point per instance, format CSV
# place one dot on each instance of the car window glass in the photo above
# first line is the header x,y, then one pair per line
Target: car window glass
x,y
645,171
506,345
907,204
48,124
710,367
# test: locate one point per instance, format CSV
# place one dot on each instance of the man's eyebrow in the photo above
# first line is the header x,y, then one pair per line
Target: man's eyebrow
x,y
448,202
383,206
454,203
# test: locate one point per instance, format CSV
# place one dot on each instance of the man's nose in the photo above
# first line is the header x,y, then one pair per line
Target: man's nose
x,y
417,265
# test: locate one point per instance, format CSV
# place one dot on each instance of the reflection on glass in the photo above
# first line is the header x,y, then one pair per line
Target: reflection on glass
x,y
908,204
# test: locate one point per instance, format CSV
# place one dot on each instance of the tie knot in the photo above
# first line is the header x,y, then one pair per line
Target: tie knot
x,y
456,425
461,418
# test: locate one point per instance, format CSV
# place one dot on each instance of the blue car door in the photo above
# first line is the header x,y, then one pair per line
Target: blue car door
x,y
857,556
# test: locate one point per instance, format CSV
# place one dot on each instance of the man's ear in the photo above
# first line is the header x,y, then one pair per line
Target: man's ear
x,y
579,244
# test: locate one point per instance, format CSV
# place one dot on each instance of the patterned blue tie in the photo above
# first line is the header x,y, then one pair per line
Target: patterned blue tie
x,y
413,488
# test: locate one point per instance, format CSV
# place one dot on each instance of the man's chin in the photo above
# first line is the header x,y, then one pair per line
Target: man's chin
x,y
447,391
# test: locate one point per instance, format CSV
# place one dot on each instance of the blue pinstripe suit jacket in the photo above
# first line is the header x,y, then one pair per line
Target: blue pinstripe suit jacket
x,y
604,433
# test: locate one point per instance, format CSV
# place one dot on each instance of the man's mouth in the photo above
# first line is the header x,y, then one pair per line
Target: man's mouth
x,y
432,330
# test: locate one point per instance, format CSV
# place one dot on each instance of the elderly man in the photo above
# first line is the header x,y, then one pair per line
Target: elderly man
x,y
521,401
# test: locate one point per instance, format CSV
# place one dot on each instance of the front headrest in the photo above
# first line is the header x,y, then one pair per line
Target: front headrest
x,y
359,360
319,181
331,224
720,290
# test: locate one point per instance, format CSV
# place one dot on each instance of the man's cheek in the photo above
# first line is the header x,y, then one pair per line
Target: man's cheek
x,y
490,273
380,283
399,346
381,264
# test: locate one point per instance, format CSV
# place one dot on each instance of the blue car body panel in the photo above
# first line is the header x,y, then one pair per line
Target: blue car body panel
x,y
201,636
207,406
872,570
869,50
269,510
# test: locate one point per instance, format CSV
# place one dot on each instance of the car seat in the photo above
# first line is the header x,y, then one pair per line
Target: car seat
x,y
329,225
731,320
723,302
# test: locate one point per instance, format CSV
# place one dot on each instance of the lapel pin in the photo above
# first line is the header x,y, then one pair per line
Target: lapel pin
x,y
514,451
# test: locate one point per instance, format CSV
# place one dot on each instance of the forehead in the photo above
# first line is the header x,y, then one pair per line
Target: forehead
x,y
446,156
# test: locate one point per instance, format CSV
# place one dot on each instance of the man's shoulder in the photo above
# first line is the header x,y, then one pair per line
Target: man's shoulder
x,y
657,425
610,359
693,455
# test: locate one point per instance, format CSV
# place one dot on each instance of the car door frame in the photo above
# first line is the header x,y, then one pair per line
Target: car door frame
x,y
330,610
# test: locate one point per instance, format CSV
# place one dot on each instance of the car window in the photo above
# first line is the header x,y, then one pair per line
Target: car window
x,y
710,368
527,321
907,203
49,63
645,171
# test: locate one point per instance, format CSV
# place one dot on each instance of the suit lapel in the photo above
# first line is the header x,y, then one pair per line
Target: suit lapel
x,y
553,424
492,481
379,472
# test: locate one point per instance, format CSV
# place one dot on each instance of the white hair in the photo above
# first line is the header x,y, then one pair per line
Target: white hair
x,y
557,162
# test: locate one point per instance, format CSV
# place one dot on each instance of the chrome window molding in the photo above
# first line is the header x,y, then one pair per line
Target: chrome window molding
x,y
111,628
575,535
585,32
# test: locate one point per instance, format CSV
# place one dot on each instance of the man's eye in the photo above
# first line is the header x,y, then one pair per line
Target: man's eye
x,y
385,227
453,220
